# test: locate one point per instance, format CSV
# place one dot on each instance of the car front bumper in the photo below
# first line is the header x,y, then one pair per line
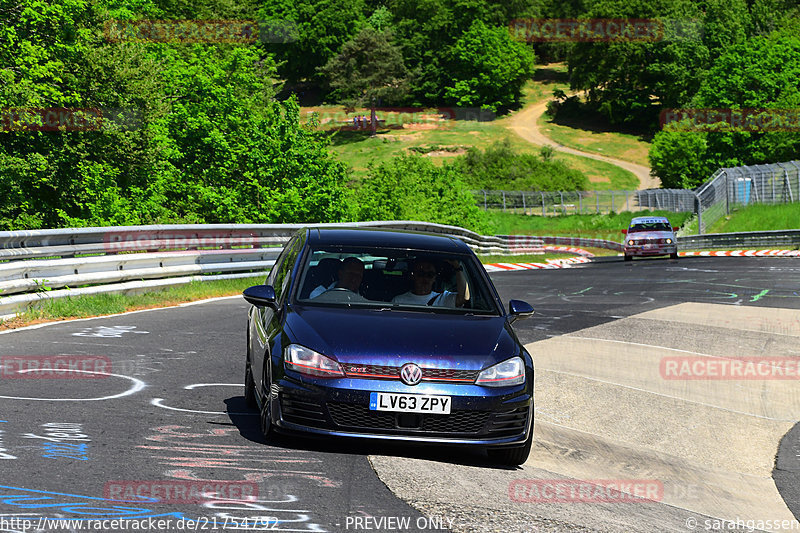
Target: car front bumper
x,y
479,416
642,251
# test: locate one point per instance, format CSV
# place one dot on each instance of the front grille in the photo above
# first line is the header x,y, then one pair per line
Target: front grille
x,y
300,411
508,423
359,416
393,372
456,422
650,241
447,374
372,371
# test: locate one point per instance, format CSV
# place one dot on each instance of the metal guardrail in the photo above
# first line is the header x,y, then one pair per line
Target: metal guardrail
x,y
44,264
753,239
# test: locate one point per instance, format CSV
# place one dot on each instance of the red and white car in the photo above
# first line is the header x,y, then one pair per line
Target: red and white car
x,y
650,236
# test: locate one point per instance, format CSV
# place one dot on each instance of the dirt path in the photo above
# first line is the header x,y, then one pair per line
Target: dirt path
x,y
525,123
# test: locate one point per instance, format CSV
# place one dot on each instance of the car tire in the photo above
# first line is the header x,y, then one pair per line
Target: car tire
x,y
265,417
673,256
628,258
512,455
249,385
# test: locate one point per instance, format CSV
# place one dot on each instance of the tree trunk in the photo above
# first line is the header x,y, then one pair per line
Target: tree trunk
x,y
373,119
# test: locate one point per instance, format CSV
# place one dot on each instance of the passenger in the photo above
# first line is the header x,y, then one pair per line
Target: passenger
x,y
423,275
350,275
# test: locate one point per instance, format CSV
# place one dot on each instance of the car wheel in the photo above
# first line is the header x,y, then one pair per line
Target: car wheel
x,y
249,385
628,258
512,455
266,411
673,256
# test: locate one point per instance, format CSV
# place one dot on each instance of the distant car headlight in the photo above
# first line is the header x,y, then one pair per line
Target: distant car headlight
x,y
630,242
306,361
669,241
509,372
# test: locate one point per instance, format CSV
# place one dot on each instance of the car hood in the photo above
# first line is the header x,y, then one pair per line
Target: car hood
x,y
650,235
393,338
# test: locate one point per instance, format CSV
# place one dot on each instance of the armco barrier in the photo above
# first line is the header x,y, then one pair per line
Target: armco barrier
x,y
753,239
45,264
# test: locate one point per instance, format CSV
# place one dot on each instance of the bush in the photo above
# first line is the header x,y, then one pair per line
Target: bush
x,y
413,188
500,167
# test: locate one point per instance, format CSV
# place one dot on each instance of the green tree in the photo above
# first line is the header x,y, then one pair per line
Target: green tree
x,y
369,69
321,28
761,73
487,68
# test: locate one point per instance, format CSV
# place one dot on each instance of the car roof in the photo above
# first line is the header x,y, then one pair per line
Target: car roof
x,y
386,238
637,220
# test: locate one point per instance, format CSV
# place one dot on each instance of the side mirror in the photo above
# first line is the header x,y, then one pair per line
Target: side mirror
x,y
260,296
675,228
519,309
624,232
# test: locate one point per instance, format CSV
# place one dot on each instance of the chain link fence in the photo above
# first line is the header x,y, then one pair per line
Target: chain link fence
x,y
584,202
776,183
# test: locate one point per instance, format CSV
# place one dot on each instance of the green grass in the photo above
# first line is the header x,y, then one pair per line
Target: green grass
x,y
586,226
759,217
357,148
597,137
109,304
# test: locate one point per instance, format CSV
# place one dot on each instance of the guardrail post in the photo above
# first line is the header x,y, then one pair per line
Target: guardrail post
x,y
524,208
484,200
544,211
698,210
580,203
612,200
597,201
504,201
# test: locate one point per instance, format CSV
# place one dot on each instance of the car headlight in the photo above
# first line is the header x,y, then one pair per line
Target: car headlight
x,y
509,372
669,241
309,362
630,242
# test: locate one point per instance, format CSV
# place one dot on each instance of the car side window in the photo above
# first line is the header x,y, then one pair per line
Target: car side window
x,y
283,276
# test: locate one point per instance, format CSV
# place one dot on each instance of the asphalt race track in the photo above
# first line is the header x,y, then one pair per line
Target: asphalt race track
x,y
153,406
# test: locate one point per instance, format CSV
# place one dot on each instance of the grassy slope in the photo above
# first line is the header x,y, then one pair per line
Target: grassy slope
x,y
759,217
357,148
597,137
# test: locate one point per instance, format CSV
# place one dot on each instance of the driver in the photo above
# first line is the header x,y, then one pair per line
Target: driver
x,y
423,275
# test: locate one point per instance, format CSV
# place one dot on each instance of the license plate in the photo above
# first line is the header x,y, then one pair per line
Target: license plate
x,y
409,403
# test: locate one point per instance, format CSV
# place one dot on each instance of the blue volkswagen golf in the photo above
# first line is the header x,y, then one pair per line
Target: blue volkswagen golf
x,y
388,335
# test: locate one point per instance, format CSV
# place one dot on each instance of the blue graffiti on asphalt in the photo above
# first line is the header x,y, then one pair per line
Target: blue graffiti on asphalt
x,y
80,508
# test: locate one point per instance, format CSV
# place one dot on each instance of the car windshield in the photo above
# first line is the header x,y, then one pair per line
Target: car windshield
x,y
650,226
398,279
